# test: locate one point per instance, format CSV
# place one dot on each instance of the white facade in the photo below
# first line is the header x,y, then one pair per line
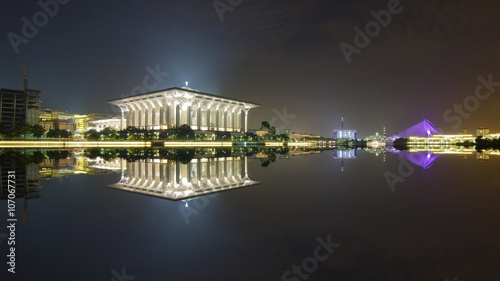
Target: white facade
x,y
173,107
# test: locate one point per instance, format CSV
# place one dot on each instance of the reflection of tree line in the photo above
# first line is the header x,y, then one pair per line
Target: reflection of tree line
x,y
23,158
183,155
271,155
487,144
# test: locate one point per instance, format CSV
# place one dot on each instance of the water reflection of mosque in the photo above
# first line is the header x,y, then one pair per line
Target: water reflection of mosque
x,y
175,180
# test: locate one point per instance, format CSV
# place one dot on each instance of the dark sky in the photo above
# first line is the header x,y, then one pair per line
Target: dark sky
x,y
280,54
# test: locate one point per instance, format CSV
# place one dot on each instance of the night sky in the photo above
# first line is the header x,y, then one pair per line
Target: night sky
x,y
281,54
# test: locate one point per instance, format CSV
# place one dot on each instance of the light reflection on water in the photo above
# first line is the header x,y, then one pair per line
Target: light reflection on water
x,y
434,222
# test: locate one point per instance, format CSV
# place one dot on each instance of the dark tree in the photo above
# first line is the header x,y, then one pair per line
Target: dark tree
x,y
37,130
92,135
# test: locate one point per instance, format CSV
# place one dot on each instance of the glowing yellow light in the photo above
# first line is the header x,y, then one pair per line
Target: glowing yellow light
x,y
274,144
73,144
299,144
197,144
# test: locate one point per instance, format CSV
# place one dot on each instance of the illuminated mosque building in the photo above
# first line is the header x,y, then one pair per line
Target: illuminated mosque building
x,y
169,108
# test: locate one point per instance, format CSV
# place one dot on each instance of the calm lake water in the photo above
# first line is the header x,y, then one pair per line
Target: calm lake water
x,y
358,216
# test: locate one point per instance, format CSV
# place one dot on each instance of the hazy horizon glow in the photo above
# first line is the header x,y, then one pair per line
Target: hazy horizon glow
x,y
422,58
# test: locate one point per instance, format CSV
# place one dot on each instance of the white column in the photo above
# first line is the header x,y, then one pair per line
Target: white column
x,y
156,122
136,115
121,117
217,117
233,115
198,118
164,119
246,119
226,117
208,118
178,111
146,116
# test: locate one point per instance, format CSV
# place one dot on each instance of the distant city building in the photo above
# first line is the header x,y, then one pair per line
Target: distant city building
x,y
483,132
18,106
174,107
287,132
441,140
74,122
261,133
305,136
113,123
376,137
344,134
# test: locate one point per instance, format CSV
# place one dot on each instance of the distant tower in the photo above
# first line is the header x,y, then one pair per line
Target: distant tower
x,y
187,84
342,134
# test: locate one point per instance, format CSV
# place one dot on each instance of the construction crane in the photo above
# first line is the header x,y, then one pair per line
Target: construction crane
x,y
25,79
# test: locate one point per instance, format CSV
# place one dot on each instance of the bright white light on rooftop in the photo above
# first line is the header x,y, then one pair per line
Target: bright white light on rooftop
x,y
187,83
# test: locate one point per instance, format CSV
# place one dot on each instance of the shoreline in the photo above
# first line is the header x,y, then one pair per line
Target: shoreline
x,y
138,144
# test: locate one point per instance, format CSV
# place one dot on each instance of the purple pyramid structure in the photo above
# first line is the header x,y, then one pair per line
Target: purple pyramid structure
x,y
422,129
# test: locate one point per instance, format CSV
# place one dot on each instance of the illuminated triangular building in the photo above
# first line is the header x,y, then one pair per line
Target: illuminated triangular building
x,y
422,129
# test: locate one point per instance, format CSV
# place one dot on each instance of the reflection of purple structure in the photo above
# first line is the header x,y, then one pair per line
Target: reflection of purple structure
x,y
422,129
424,159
